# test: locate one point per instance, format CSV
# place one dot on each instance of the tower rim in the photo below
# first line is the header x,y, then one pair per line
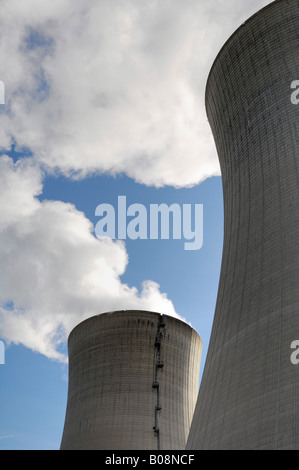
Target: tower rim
x,y
133,311
229,39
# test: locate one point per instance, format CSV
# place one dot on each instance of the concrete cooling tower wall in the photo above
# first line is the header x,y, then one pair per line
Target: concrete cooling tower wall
x,y
249,394
133,382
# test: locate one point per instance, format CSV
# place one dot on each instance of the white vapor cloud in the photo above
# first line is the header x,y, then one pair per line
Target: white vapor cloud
x,y
53,268
95,86
114,85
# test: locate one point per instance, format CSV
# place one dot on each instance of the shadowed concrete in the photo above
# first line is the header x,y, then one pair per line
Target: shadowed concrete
x,y
133,382
249,395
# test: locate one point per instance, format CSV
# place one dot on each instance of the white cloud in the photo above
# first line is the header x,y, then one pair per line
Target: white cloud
x,y
115,85
103,85
54,271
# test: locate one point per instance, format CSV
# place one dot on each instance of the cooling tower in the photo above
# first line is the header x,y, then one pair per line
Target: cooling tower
x,y
249,394
133,382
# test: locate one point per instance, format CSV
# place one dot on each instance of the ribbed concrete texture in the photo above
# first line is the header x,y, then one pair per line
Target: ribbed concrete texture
x,y
249,394
133,382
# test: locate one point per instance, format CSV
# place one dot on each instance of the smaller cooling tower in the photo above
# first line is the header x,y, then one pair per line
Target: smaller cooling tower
x,y
133,382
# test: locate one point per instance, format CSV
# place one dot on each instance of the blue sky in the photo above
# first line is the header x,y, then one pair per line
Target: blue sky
x,y
33,396
102,100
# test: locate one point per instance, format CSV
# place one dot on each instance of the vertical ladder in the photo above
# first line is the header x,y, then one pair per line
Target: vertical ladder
x,y
156,385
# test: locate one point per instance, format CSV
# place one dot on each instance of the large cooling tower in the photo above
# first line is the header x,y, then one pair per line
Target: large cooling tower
x,y
249,394
133,382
